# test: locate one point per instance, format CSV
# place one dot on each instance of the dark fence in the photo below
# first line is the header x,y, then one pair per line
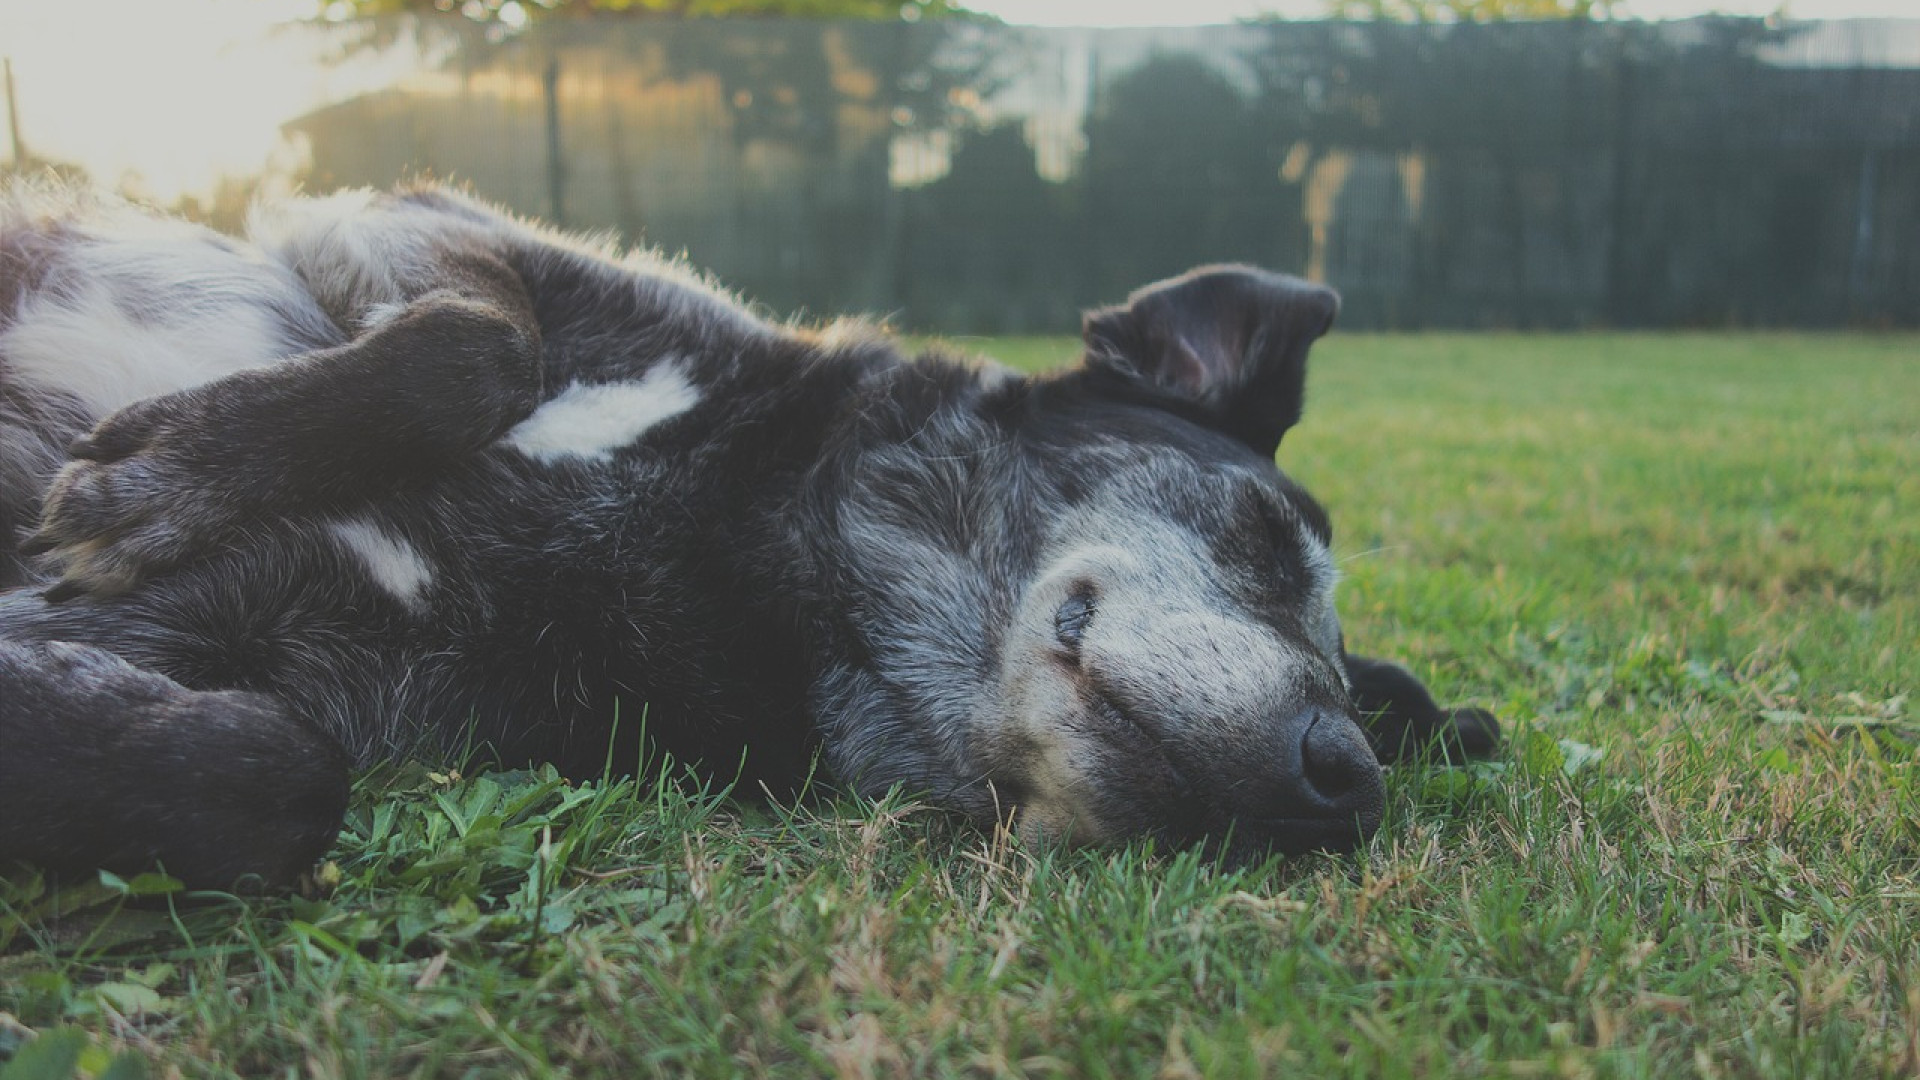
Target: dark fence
x,y
976,178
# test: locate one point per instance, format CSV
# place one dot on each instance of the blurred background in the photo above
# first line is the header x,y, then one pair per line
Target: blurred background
x,y
994,169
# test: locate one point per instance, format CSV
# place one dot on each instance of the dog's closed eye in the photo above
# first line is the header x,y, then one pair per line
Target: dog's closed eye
x,y
1071,620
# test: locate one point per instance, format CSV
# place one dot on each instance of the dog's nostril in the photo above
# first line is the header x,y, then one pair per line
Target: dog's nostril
x,y
1332,764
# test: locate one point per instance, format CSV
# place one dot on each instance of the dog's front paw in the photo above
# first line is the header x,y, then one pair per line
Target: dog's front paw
x,y
147,490
1475,732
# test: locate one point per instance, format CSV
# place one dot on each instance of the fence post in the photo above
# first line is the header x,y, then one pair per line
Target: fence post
x,y
1616,302
13,117
1857,268
556,169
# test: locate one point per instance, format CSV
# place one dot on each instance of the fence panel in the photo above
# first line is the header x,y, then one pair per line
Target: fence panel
x,y
976,178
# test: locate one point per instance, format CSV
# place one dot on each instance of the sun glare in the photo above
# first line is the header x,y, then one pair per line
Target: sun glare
x,y
163,99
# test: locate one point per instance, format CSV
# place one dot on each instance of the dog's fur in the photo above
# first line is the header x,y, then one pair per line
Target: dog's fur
x,y
399,473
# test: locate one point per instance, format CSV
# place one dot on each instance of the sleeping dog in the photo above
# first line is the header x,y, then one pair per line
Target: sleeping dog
x,y
399,473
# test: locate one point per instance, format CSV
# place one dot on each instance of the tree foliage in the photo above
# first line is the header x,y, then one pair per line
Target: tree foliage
x,y
515,12
1427,11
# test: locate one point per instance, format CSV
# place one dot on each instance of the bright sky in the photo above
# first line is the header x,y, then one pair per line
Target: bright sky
x,y
169,95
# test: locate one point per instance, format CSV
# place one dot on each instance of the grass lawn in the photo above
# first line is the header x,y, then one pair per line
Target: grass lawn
x,y
1684,569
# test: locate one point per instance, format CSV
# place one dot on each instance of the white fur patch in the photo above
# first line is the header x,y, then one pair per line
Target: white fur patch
x,y
360,254
158,307
591,421
391,561
284,222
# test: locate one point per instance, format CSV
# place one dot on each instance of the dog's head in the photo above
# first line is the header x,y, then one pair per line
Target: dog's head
x,y
1090,600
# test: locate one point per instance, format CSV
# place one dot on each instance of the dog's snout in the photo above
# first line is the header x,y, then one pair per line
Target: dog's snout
x,y
1326,791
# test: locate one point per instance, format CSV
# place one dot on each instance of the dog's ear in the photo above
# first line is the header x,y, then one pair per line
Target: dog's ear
x,y
1230,340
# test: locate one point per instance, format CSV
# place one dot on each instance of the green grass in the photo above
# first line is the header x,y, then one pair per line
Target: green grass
x,y
1686,571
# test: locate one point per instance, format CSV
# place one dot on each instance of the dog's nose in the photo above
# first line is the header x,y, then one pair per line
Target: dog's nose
x,y
1329,793
1333,764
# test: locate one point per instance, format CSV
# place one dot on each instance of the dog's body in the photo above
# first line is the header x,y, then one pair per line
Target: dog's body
x,y
400,473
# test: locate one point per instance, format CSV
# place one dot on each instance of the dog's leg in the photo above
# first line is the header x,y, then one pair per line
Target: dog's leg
x,y
172,476
1402,719
105,765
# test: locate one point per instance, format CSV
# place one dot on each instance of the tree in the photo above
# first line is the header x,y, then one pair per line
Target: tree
x,y
1427,11
518,12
